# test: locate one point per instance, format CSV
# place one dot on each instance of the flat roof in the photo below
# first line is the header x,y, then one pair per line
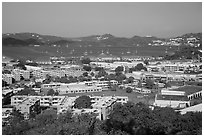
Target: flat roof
x,y
172,97
196,108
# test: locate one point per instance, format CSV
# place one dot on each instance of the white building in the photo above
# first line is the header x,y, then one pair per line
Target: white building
x,y
174,99
8,78
26,107
81,87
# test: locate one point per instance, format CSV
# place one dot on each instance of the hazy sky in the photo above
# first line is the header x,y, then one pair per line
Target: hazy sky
x,y
119,19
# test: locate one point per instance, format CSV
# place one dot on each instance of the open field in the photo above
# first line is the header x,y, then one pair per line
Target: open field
x,y
133,97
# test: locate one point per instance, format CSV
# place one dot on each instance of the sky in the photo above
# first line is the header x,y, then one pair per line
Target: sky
x,y
118,18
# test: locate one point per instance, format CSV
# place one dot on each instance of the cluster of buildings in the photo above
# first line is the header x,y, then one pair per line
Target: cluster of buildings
x,y
16,75
101,105
114,65
80,87
191,41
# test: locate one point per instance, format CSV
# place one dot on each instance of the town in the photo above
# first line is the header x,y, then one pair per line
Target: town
x,y
66,84
101,68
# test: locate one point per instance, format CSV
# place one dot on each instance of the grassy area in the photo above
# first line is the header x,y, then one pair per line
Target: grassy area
x,y
189,89
133,97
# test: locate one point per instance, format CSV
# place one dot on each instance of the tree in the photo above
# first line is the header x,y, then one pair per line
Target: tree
x,y
27,91
85,61
87,68
73,79
167,85
38,84
140,67
6,72
21,65
146,62
83,102
47,80
51,92
149,83
98,68
120,77
129,90
16,124
102,73
119,69
47,117
130,79
64,80
4,83
92,74
85,74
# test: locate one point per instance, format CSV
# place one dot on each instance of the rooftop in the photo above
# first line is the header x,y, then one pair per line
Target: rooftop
x,y
172,97
189,89
196,108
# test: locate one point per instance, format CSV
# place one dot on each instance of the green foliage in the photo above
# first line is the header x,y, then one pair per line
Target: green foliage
x,y
186,52
83,102
120,77
128,90
47,80
92,74
124,119
102,73
87,68
149,83
27,91
86,61
51,92
119,69
64,80
85,74
146,62
139,119
4,83
130,79
98,68
6,72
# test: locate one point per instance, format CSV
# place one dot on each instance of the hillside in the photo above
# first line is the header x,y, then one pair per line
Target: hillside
x,y
33,45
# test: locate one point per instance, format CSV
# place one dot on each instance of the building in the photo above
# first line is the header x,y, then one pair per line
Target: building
x,y
6,113
51,101
15,100
102,105
173,99
193,95
43,61
8,78
66,104
29,106
40,73
196,108
81,87
18,73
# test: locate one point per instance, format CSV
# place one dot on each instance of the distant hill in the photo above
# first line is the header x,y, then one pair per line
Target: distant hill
x,y
97,40
33,45
12,41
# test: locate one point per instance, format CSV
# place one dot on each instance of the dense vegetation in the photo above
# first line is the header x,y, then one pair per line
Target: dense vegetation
x,y
186,52
127,119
